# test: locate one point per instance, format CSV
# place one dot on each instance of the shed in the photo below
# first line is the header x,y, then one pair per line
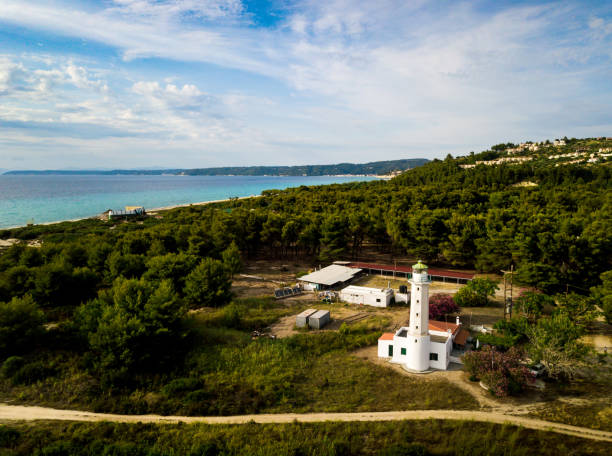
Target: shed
x,y
318,319
301,320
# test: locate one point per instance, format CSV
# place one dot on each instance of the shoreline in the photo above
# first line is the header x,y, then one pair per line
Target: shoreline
x,y
200,203
147,212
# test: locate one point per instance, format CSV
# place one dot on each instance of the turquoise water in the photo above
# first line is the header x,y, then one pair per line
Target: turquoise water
x,y
51,198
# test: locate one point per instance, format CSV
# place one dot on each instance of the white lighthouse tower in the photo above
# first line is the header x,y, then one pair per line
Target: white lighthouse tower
x,y
418,329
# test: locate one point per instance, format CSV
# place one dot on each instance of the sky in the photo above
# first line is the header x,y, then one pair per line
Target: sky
x,y
201,83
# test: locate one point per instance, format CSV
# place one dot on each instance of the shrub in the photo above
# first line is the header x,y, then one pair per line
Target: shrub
x,y
180,385
208,285
11,365
502,372
476,293
31,373
441,305
20,325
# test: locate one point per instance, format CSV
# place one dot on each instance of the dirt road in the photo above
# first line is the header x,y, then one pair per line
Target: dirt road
x,y
26,413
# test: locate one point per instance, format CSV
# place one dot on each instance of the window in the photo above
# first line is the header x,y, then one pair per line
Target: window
x,y
390,350
403,351
417,301
417,314
377,300
417,327
433,357
418,288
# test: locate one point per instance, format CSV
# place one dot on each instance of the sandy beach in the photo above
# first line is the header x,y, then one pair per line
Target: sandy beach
x,y
152,211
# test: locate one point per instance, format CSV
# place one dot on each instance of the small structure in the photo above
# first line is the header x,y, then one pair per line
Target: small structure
x,y
318,319
130,211
331,276
423,344
286,292
301,320
377,297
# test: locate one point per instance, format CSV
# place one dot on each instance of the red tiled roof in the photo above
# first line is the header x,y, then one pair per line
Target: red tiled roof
x,y
442,326
386,336
431,271
461,338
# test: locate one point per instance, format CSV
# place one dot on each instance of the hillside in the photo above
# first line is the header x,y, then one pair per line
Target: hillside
x,y
372,168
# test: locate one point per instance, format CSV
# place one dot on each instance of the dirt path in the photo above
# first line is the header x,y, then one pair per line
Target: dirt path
x,y
26,413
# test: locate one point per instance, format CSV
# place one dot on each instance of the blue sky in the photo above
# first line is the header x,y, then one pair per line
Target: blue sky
x,y
197,83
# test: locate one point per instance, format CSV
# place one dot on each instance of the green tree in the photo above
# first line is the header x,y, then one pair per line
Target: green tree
x,y
531,304
232,260
20,325
580,309
553,341
208,285
135,325
476,292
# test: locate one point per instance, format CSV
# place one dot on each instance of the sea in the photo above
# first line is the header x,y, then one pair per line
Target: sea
x,y
39,199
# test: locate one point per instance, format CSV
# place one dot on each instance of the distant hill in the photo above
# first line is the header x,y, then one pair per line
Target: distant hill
x,y
372,168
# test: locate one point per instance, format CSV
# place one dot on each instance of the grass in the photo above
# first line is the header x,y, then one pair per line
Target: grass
x,y
589,403
225,372
428,437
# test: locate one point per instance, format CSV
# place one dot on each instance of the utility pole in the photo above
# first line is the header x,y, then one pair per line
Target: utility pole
x,y
508,301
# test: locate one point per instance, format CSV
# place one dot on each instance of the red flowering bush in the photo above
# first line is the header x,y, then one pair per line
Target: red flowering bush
x,y
502,372
440,305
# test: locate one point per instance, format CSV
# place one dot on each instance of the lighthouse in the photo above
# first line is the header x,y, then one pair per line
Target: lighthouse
x,y
418,342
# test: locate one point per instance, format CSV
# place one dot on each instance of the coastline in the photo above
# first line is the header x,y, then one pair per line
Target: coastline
x,y
148,212
201,203
21,224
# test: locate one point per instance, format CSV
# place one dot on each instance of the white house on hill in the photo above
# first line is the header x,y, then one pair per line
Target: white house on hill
x,y
422,345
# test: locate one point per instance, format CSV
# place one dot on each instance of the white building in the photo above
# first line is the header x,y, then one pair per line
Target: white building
x,y
331,276
423,345
377,297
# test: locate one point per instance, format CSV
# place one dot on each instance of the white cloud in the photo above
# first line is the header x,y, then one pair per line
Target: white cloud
x,y
390,76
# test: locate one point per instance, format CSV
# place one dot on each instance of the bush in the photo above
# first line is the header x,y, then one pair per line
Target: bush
x,y
31,373
20,325
502,372
208,285
180,385
441,305
11,365
476,293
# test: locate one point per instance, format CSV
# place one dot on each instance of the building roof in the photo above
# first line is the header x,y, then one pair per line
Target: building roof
x,y
432,271
331,275
307,313
386,336
461,338
356,289
443,326
438,339
320,314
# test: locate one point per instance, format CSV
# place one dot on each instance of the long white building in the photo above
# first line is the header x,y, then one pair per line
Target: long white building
x,y
377,297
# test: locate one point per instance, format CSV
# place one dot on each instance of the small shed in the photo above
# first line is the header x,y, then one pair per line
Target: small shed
x,y
319,319
301,320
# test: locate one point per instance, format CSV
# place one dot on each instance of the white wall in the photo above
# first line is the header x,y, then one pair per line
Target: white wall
x,y
402,297
383,348
376,299
443,350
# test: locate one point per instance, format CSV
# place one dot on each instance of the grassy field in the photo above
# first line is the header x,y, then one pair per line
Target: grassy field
x,y
225,372
585,402
429,437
